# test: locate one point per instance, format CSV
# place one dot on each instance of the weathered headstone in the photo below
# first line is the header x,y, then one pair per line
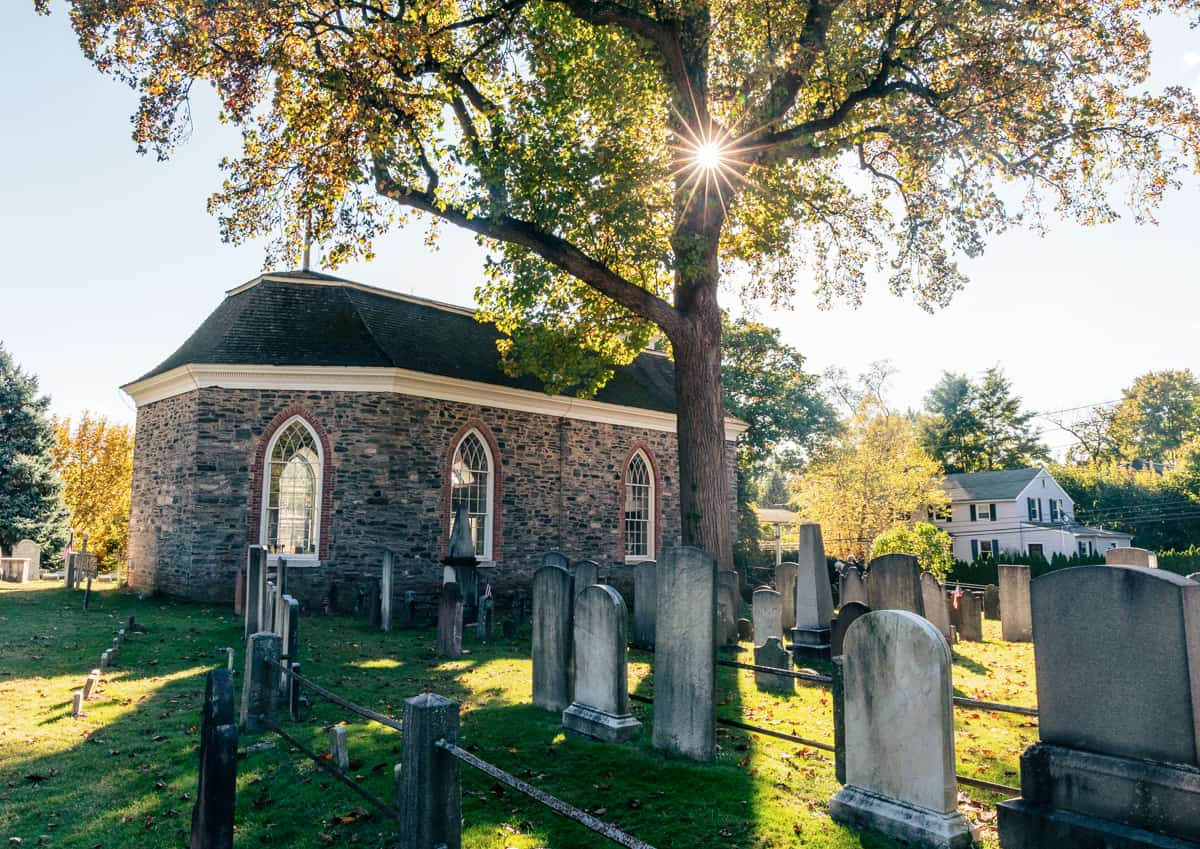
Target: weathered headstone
x,y
89,686
556,558
450,621
785,585
899,731
587,572
1195,576
256,577
772,653
553,599
727,608
216,791
645,598
991,602
1016,615
814,596
521,605
289,636
77,704
847,613
600,708
937,609
487,618
852,586
408,610
767,607
1130,556
1118,765
894,583
374,605
386,589
339,747
966,615
260,687
281,591
29,550
684,655
268,622
745,631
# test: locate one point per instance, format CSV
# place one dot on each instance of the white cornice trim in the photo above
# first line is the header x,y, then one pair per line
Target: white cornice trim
x,y
402,382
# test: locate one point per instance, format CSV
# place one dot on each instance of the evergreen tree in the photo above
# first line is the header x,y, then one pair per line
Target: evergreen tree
x,y
31,504
979,427
776,494
950,431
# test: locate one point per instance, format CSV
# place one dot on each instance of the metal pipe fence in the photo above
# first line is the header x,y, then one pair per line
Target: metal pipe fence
x,y
328,695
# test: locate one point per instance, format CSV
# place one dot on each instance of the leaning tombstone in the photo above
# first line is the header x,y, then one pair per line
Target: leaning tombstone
x,y
991,602
1119,765
847,614
645,597
600,708
937,611
767,610
89,686
1130,556
216,793
814,597
899,732
553,634
772,653
727,608
684,655
894,583
852,586
450,621
1016,616
966,615
587,572
785,585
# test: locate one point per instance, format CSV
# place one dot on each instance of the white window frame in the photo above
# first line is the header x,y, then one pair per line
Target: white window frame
x,y
263,525
489,520
652,517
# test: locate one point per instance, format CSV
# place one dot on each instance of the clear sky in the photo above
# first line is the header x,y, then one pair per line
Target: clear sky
x,y
110,260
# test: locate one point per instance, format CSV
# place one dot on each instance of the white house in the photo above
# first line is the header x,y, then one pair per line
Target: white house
x,y
1020,511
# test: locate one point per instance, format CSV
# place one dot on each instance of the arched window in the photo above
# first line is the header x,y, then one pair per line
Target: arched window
x,y
471,482
292,491
639,508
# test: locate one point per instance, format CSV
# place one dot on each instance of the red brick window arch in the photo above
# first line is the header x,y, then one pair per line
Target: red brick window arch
x,y
641,502
473,477
292,488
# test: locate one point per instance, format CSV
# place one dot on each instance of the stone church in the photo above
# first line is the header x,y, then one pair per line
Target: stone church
x,y
326,420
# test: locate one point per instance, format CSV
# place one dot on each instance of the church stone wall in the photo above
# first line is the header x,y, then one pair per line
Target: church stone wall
x,y
560,489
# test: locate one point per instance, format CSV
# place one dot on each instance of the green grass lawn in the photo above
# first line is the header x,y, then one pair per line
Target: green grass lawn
x,y
124,775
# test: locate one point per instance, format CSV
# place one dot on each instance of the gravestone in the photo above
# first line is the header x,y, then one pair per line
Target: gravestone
x,y
521,605
374,605
339,748
216,791
894,583
814,597
77,704
600,706
386,588
450,621
89,686
289,635
727,607
408,610
847,614
991,602
772,653
967,617
785,585
553,634
645,598
684,657
937,610
1195,576
29,550
268,621
767,607
1119,766
487,618
1129,556
239,592
587,572
1016,616
745,631
852,586
556,558
281,590
899,732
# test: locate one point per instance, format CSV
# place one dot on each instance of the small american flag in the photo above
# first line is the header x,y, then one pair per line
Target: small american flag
x,y
956,595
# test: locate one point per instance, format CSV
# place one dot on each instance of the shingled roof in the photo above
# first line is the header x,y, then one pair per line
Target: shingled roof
x,y
987,486
304,318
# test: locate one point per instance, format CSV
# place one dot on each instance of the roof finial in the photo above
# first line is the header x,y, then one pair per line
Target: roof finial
x,y
307,240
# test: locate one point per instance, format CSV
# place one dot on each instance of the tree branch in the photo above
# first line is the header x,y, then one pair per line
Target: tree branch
x,y
554,249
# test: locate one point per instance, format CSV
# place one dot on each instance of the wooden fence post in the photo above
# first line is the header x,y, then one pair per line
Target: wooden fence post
x,y
216,795
428,792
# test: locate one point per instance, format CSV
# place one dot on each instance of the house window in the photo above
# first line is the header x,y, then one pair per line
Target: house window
x,y
1035,513
983,549
471,477
1055,509
639,508
938,514
1036,550
291,502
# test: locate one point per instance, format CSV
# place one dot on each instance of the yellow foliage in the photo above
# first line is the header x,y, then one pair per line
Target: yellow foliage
x,y
94,460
